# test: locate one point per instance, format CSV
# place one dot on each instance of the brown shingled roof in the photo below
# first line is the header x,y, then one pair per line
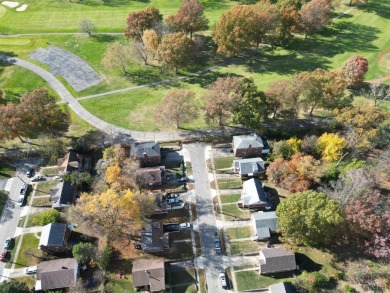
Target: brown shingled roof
x,y
149,272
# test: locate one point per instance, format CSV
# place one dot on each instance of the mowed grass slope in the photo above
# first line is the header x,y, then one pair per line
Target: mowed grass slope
x,y
64,15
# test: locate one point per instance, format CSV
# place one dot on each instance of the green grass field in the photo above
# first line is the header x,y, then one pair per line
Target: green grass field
x,y
249,246
64,15
230,198
362,32
242,232
29,254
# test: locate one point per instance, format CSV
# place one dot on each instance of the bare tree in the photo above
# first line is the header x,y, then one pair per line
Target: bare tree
x,y
351,185
87,26
379,93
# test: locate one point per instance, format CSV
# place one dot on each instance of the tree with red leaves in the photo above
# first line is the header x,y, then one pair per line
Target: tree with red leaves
x,y
138,22
354,70
189,19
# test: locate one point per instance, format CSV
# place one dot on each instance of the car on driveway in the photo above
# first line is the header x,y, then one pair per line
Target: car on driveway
x,y
30,173
4,255
36,178
222,277
30,270
58,178
7,243
185,225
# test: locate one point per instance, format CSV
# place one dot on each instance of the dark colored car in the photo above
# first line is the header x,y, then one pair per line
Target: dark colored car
x,y
217,245
30,173
7,243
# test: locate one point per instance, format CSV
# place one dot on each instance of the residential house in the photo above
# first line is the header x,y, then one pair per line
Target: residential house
x,y
54,238
249,145
62,195
56,274
161,206
264,224
253,195
153,237
147,153
151,176
281,288
249,167
71,162
276,260
149,275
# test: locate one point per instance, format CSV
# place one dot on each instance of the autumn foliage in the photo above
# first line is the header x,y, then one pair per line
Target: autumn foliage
x,y
138,22
189,19
315,15
354,69
330,145
297,174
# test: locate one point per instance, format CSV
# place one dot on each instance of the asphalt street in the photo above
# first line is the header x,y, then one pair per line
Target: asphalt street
x,y
210,260
11,213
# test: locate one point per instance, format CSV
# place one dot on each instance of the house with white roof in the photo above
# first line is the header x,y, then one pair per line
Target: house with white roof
x,y
249,167
264,224
253,195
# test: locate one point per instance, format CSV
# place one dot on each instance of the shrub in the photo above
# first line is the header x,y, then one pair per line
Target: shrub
x,y
348,289
47,217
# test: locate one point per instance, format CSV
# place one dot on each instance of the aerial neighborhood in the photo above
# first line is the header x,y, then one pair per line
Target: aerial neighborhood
x,y
187,146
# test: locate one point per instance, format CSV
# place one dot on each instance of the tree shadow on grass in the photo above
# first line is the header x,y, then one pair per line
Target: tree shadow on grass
x,y
380,8
104,38
314,52
307,264
206,78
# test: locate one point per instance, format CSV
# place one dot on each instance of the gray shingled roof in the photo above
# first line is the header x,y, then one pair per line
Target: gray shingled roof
x,y
244,141
151,149
277,260
153,237
253,192
281,288
62,194
249,166
55,274
265,222
53,234
149,272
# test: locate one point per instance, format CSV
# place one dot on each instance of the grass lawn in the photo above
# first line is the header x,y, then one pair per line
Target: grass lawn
x,y
228,183
64,16
29,280
30,221
29,254
237,268
232,210
230,198
183,276
43,188
252,280
223,162
248,246
6,170
119,285
42,202
50,171
242,232
3,200
185,289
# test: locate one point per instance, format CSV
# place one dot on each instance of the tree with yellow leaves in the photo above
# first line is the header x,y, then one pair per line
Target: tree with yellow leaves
x,y
331,146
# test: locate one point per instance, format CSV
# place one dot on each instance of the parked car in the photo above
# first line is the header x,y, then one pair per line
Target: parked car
x,y
23,189
58,178
4,255
217,245
172,200
30,270
171,227
183,179
30,173
36,178
7,243
222,277
185,225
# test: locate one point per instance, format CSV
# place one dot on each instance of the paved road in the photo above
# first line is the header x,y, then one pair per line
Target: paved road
x,y
210,261
114,130
11,213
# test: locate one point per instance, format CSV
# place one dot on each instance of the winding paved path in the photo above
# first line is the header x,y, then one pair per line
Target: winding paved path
x,y
109,128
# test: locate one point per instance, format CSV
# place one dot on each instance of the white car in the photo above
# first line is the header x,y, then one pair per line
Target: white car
x,y
30,270
36,178
185,225
222,277
58,178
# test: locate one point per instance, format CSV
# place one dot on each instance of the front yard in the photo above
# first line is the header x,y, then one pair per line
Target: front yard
x,y
247,246
29,254
229,183
237,233
230,198
250,280
223,164
233,211
43,188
